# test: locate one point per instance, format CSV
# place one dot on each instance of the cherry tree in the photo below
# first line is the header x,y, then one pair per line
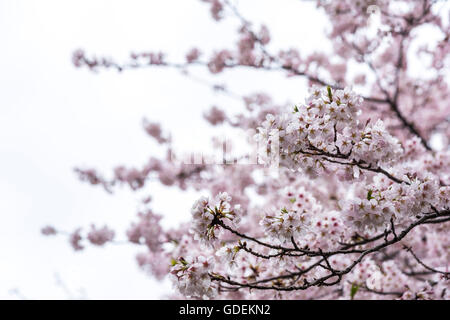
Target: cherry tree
x,y
346,195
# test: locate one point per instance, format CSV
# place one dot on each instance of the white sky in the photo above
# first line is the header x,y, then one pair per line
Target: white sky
x,y
54,117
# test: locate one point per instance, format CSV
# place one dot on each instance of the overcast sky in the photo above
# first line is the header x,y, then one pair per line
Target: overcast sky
x,y
54,117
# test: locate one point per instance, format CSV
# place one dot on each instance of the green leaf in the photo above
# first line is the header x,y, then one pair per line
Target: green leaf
x,y
295,109
330,95
353,290
369,195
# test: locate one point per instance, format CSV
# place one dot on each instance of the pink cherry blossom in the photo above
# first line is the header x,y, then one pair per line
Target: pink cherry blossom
x,y
349,195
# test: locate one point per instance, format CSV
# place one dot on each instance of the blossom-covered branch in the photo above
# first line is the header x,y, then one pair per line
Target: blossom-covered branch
x,y
358,206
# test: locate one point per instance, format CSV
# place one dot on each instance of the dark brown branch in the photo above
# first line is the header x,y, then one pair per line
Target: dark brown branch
x,y
326,156
385,293
333,272
446,274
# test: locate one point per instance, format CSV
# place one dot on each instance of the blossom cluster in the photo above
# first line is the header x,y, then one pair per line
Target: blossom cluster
x,y
147,230
327,126
192,276
294,220
361,179
205,211
154,130
227,254
285,225
305,220
100,236
385,201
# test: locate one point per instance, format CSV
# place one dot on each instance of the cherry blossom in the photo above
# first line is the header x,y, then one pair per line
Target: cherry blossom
x,y
349,195
192,278
100,236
